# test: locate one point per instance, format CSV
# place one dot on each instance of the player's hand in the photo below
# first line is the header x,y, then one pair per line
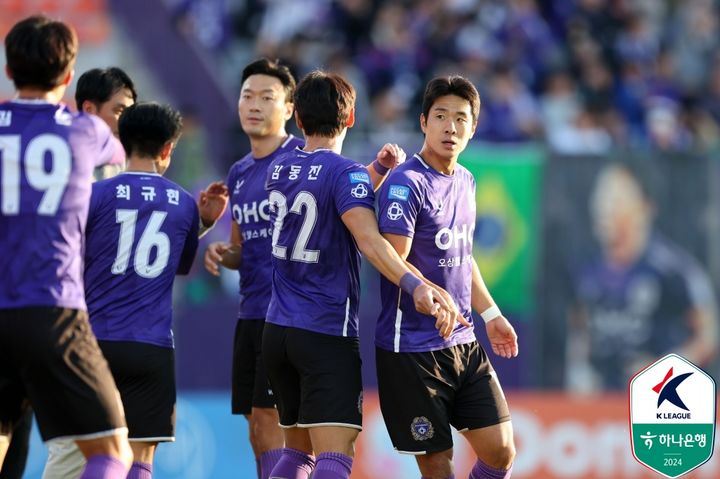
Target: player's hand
x,y
502,337
212,202
446,324
390,155
213,256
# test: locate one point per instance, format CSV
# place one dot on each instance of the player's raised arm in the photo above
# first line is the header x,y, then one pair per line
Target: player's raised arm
x,y
389,156
212,204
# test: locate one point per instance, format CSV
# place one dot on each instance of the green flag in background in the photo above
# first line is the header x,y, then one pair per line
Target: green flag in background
x,y
506,234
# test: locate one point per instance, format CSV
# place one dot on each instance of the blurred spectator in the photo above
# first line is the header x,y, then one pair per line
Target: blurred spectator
x,y
583,136
619,54
509,112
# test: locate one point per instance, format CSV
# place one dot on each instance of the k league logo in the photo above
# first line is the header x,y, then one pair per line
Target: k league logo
x,y
672,416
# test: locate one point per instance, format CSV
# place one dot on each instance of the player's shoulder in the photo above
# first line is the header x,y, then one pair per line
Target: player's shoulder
x,y
240,165
413,173
292,142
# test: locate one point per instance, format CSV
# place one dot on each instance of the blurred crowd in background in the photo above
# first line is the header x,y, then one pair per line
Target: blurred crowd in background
x,y
584,75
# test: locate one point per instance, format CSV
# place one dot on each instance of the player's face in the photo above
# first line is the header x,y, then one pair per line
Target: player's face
x,y
111,110
448,126
262,106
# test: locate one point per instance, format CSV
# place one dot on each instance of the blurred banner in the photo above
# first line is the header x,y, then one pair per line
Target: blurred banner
x,y
629,267
506,234
558,436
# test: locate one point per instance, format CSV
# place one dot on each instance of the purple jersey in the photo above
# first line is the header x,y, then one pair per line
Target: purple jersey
x,y
47,157
142,229
316,264
438,212
249,207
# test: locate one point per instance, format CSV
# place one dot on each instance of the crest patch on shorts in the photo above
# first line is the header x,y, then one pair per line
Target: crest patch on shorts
x,y
421,429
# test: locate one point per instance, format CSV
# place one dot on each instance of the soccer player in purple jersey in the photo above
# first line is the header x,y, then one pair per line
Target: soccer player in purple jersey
x,y
264,107
106,93
48,355
321,206
154,224
427,382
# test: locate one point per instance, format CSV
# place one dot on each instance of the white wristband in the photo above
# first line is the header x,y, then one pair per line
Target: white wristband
x,y
491,313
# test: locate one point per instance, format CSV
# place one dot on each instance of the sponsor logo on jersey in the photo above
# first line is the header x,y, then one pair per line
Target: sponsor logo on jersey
x,y
398,192
359,177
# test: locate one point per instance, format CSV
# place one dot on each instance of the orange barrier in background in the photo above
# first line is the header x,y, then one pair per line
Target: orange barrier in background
x,y
90,18
557,436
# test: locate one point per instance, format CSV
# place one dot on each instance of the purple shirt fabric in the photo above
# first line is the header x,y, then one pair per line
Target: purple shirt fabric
x,y
47,157
316,263
250,210
142,230
438,213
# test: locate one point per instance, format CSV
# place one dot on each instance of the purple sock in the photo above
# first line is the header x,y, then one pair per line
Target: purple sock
x,y
483,471
293,464
104,467
140,470
333,465
268,459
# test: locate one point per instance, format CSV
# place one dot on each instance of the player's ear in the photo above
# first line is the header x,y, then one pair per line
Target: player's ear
x,y
167,150
423,122
89,107
351,118
298,122
69,77
8,73
289,108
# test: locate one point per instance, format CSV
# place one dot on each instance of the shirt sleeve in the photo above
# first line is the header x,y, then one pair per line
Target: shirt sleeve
x,y
352,188
191,242
110,150
399,203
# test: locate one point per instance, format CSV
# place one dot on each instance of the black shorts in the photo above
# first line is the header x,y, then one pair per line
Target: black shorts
x,y
49,358
145,376
250,384
423,394
316,377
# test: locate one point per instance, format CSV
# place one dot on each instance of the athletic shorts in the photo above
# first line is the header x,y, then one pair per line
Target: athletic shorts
x,y
49,359
145,376
422,394
250,385
316,377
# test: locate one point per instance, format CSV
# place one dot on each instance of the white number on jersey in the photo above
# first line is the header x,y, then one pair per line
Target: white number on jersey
x,y
52,183
278,203
151,238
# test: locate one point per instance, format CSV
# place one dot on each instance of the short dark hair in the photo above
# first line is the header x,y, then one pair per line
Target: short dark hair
x,y
40,52
99,84
145,128
323,102
273,68
451,85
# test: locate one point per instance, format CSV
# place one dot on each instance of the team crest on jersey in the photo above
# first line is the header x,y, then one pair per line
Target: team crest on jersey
x,y
422,429
395,211
5,118
359,177
360,191
398,192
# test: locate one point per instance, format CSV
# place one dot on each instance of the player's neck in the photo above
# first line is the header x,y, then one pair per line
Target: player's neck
x,y
53,96
444,165
266,145
142,164
316,142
